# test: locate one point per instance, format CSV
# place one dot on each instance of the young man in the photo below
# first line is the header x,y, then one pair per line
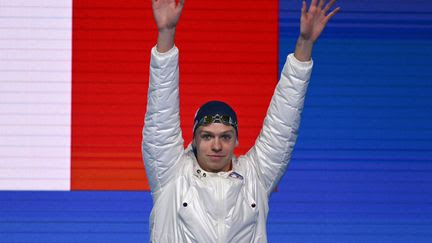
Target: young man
x,y
204,193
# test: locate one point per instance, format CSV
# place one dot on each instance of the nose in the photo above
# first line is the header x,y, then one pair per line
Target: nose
x,y
216,146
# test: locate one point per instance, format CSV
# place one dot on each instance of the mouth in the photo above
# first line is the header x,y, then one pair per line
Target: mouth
x,y
216,157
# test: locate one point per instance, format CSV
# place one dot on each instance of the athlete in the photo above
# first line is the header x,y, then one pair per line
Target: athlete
x,y
204,193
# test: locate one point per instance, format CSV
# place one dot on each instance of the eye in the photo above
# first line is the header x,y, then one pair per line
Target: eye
x,y
226,137
206,136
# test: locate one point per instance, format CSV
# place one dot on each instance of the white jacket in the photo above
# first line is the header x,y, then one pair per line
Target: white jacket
x,y
192,205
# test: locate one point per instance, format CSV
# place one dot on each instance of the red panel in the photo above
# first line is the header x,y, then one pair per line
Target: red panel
x,y
228,50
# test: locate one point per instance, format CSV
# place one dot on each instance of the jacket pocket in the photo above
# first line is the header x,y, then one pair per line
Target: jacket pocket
x,y
193,219
250,209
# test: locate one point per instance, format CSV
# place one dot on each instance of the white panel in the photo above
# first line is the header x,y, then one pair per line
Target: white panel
x,y
35,94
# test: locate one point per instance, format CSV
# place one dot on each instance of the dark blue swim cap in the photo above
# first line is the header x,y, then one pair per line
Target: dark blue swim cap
x,y
215,111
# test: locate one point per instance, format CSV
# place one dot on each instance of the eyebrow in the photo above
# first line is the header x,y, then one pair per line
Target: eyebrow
x,y
222,133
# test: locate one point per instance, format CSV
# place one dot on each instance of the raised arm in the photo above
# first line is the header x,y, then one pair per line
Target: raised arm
x,y
272,150
162,143
166,14
312,23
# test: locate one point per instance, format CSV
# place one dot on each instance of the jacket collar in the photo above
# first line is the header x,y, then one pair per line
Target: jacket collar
x,y
235,173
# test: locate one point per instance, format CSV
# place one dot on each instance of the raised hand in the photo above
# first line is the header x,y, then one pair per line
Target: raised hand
x,y
312,23
166,14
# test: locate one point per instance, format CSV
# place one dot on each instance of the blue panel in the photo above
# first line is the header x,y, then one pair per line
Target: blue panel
x,y
74,216
362,166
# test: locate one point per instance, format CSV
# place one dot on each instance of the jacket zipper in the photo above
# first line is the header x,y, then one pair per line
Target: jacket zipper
x,y
221,216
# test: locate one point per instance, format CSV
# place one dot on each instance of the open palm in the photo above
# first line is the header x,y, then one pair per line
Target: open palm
x,y
314,20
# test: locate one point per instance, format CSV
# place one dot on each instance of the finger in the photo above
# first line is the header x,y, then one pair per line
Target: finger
x,y
313,3
321,4
332,13
180,5
303,9
329,5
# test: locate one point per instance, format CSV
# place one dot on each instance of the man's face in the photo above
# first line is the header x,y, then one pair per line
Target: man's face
x,y
215,145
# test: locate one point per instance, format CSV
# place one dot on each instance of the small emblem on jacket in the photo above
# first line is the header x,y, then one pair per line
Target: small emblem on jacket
x,y
236,175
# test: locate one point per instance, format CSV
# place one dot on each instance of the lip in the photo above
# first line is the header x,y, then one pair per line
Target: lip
x,y
216,156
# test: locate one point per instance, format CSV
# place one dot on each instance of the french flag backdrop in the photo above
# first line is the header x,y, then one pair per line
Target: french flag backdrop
x,y
73,83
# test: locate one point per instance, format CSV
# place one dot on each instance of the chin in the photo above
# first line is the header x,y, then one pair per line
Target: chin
x,y
218,168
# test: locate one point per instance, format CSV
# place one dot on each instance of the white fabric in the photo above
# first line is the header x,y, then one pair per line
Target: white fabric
x,y
192,205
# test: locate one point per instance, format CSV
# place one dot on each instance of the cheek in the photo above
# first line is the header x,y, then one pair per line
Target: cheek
x,y
230,146
197,143
201,145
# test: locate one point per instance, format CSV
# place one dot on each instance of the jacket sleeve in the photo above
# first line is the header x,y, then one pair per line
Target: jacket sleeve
x,y
272,150
162,143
